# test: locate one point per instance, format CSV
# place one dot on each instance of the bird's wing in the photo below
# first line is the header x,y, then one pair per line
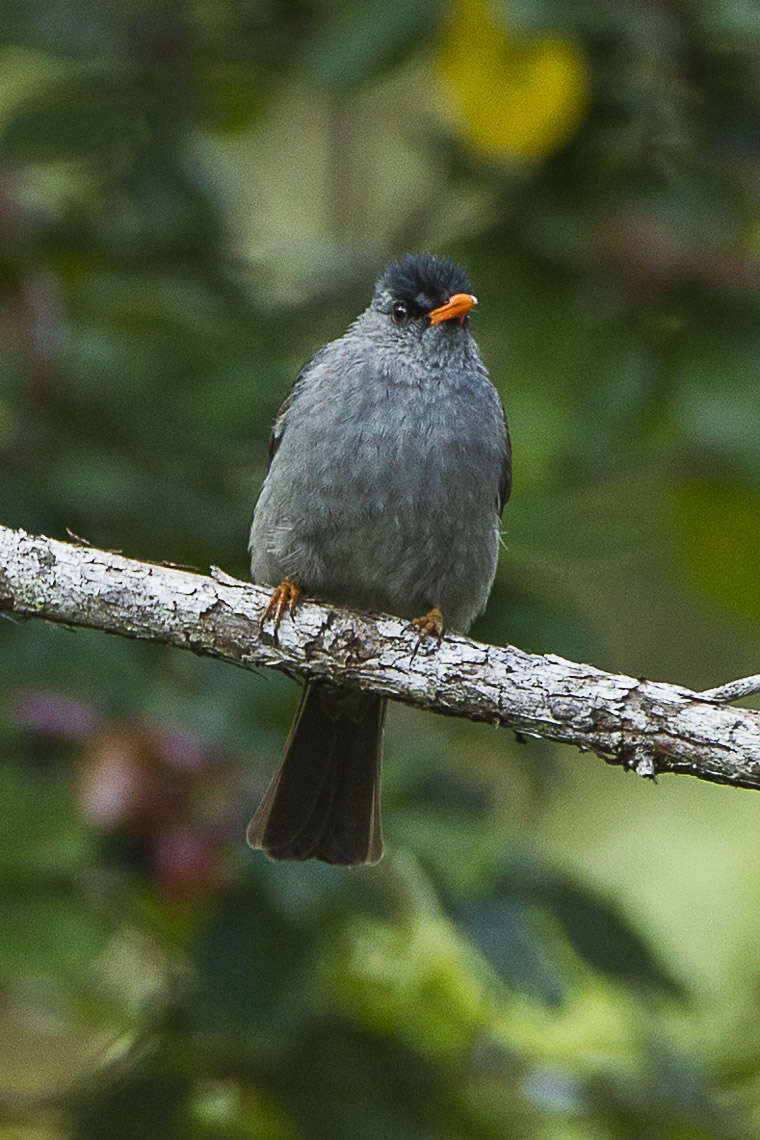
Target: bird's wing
x,y
278,429
505,482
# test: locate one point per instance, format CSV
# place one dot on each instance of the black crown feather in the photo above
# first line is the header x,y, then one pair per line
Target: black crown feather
x,y
423,279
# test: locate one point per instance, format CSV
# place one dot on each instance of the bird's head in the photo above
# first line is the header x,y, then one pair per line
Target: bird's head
x,y
422,291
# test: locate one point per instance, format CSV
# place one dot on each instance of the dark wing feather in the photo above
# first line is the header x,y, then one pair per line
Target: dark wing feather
x,y
278,429
505,482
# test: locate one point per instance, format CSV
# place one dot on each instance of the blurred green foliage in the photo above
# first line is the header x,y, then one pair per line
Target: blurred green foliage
x,y
193,197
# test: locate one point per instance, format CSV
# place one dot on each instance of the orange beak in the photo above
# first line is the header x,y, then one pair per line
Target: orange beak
x,y
457,306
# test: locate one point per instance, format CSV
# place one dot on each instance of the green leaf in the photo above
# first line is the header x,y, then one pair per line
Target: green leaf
x,y
254,967
718,529
360,40
234,95
73,119
601,934
502,929
715,392
40,829
505,925
596,927
149,1100
340,1081
48,930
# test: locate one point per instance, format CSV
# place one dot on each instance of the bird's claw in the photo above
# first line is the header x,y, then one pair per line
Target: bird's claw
x,y
429,625
286,596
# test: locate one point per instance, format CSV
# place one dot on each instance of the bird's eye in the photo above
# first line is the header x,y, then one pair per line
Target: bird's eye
x,y
400,312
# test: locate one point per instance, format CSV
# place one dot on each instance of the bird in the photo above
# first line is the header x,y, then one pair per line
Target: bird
x,y
389,468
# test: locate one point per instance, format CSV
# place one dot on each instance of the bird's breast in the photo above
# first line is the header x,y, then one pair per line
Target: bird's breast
x,y
385,496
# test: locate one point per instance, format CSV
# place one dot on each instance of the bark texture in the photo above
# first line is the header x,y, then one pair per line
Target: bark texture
x,y
648,726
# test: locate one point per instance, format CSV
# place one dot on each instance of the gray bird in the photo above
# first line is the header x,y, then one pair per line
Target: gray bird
x,y
389,467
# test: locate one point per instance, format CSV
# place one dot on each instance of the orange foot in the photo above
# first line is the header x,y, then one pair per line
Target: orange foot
x,y
286,597
429,625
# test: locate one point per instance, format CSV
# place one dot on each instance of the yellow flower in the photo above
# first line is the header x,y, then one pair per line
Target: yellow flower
x,y
509,96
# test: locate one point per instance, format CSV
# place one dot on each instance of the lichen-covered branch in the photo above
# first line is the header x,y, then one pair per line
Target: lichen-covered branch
x,y
648,726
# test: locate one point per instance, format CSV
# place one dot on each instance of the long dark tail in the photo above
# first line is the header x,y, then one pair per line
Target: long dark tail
x,y
324,799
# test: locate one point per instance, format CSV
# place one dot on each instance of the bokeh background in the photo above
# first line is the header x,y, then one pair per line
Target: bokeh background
x,y
194,195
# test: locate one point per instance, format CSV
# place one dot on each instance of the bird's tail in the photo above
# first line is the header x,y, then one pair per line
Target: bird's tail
x,y
324,799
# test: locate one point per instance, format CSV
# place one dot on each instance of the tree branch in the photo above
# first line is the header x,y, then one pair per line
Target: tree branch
x,y
647,726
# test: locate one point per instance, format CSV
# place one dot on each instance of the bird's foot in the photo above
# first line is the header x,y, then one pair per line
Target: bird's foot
x,y
429,625
285,597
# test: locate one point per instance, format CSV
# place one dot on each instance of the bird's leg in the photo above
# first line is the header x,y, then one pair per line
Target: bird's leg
x,y
429,625
285,597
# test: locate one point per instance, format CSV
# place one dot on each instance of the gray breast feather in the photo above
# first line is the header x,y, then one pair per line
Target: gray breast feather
x,y
384,488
